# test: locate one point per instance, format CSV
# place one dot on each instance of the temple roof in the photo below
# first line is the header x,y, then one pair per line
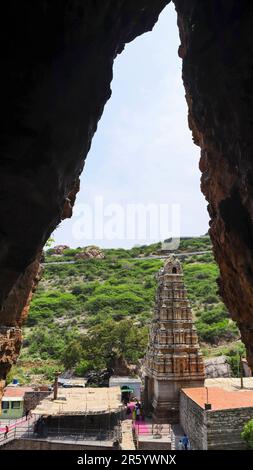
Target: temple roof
x,y
172,266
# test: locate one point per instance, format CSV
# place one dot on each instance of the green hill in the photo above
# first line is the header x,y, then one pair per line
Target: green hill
x,y
87,312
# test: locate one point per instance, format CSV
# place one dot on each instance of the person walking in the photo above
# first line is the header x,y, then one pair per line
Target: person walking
x,y
138,414
180,445
185,442
6,431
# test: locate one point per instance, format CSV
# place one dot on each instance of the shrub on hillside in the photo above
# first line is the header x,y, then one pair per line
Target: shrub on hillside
x,y
51,304
215,332
247,434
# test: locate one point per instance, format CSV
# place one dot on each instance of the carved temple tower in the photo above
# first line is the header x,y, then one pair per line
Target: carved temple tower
x,y
173,359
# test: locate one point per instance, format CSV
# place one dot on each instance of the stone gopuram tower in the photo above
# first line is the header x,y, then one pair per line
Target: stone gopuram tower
x,y
173,359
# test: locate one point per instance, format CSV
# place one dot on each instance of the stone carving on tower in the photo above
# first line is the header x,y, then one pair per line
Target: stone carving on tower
x,y
173,359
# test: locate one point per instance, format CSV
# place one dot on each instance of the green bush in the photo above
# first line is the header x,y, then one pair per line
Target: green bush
x,y
83,367
214,314
247,434
47,371
214,332
234,354
44,342
46,305
127,302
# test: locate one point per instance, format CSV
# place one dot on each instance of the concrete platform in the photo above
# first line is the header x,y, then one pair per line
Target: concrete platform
x,y
152,442
153,437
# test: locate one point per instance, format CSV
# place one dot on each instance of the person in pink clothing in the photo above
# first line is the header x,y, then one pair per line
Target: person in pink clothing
x,y
6,432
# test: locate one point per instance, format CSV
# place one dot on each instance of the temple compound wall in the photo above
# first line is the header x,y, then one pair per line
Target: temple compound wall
x,y
213,429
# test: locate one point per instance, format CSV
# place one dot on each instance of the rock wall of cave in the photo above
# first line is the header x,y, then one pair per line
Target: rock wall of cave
x,y
56,70
57,59
217,52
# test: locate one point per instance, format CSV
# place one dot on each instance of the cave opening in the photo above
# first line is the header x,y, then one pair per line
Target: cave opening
x,y
138,152
48,126
142,154
142,172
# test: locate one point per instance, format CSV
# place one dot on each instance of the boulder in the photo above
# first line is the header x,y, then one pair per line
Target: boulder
x,y
217,367
90,252
58,250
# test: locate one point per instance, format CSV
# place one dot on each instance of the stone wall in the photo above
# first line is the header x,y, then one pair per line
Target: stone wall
x,y
213,430
192,420
32,444
224,428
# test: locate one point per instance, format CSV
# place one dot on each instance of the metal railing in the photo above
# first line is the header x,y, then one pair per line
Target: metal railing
x,y
60,434
155,430
16,433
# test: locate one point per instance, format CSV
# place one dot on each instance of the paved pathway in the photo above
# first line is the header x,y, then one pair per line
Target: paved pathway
x,y
176,434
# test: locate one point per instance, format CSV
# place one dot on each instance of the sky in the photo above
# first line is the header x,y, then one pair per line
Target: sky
x,y
141,181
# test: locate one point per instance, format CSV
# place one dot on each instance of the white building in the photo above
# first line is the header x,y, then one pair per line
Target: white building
x,y
133,384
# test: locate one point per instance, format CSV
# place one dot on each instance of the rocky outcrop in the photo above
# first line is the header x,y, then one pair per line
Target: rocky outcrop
x,y
13,314
217,367
58,250
90,252
56,69
217,52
